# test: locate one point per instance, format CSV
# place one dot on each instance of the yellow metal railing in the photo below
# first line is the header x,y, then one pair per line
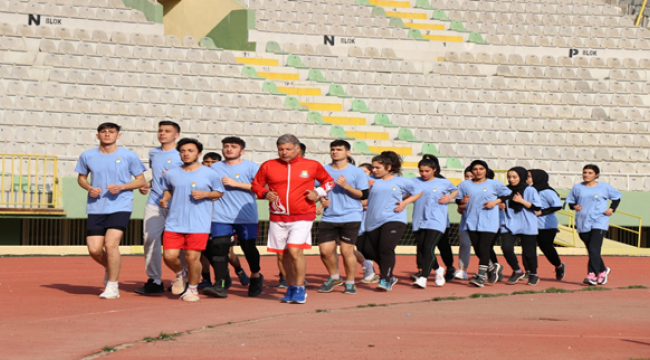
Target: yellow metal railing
x,y
638,19
28,181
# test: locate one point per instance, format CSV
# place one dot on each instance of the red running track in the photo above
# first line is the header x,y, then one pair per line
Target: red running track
x,y
51,310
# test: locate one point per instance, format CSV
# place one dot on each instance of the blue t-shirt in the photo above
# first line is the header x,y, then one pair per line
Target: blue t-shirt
x,y
478,217
382,201
159,162
594,202
344,207
106,169
523,222
549,199
236,206
186,215
427,212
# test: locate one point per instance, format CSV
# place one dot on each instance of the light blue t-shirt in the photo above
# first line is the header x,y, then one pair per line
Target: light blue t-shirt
x,y
236,206
382,201
344,207
427,212
594,202
106,169
549,199
523,222
479,218
186,215
160,162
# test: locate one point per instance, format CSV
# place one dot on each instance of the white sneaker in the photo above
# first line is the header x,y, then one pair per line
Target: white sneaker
x,y
368,270
178,286
461,274
111,292
440,276
421,282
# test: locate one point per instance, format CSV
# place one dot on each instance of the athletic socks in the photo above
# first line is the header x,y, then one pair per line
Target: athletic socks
x,y
482,270
519,271
180,274
157,281
111,283
335,276
193,288
349,282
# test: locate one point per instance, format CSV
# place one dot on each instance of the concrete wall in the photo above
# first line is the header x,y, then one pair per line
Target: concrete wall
x,y
195,17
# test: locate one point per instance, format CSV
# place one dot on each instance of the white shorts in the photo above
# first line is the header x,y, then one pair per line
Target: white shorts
x,y
289,234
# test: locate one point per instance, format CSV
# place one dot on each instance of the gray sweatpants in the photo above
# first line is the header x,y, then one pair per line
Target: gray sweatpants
x,y
465,249
153,227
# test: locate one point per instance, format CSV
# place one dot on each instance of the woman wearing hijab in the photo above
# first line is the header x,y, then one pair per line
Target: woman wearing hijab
x,y
481,195
546,219
521,221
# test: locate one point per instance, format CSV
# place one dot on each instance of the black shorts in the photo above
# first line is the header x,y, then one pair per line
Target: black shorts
x,y
97,224
346,232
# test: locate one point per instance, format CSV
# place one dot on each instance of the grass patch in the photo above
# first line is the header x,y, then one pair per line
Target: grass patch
x,y
108,349
554,290
633,287
165,336
526,292
321,310
595,288
484,295
210,326
448,298
149,339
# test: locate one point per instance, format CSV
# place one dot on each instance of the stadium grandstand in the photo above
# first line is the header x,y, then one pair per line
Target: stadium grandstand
x,y
542,84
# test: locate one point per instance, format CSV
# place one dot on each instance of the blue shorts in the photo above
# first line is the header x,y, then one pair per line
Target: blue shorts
x,y
243,231
97,224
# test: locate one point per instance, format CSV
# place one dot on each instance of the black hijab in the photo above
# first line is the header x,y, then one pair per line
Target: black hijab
x,y
540,180
519,188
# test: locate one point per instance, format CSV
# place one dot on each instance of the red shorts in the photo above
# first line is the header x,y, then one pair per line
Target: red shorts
x,y
196,242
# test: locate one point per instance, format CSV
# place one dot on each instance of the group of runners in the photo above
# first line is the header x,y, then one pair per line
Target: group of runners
x,y
198,210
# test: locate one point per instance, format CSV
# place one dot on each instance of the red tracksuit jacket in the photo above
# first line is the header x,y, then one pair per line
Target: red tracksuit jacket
x,y
290,180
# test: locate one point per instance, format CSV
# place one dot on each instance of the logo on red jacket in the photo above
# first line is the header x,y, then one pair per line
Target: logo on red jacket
x,y
304,174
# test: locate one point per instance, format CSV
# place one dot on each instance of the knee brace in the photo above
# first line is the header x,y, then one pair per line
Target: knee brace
x,y
218,248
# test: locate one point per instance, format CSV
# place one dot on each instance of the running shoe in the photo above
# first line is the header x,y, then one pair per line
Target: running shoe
x,y
591,279
374,280
368,269
150,288
350,289
243,277
329,285
478,280
461,275
421,282
416,276
299,295
602,277
288,297
516,276
450,274
111,292
559,272
178,286
440,276
282,284
217,290
256,286
493,275
204,284
532,280
190,296
526,275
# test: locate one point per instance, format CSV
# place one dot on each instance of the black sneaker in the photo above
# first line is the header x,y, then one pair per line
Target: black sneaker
x,y
533,280
216,290
450,274
256,286
516,276
478,280
526,275
151,288
559,272
416,276
228,282
493,275
282,283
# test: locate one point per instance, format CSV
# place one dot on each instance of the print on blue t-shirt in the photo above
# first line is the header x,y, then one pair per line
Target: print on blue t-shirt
x,y
160,162
106,169
549,199
382,201
344,207
594,203
236,206
427,212
478,217
186,215
523,222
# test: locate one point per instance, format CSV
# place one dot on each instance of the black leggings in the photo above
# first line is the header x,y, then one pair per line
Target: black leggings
x,y
364,247
426,241
445,249
482,243
528,249
545,240
383,241
251,253
594,242
493,255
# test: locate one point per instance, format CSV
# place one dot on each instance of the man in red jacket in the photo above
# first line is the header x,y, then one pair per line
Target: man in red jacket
x,y
288,184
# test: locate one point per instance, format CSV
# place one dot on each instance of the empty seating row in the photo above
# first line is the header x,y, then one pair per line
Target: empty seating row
x,y
319,18
546,60
553,30
279,26
71,11
549,7
526,71
563,41
323,7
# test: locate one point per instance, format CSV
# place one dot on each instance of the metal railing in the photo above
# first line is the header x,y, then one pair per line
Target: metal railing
x,y
28,181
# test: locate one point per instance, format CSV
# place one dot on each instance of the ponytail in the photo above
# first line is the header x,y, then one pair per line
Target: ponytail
x,y
390,158
351,160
